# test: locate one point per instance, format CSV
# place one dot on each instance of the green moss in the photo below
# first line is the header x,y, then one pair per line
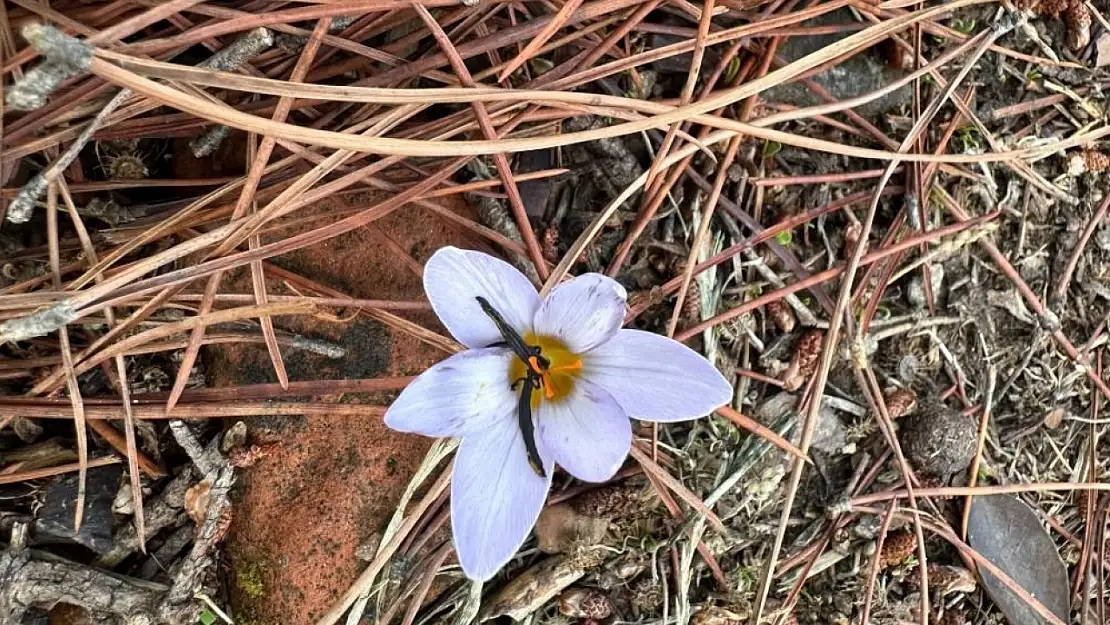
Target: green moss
x,y
249,577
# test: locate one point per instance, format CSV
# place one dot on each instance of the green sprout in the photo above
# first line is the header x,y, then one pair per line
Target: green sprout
x,y
733,69
963,26
784,237
771,148
969,139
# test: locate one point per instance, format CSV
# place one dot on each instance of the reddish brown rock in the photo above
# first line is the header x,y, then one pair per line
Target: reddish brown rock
x,y
329,482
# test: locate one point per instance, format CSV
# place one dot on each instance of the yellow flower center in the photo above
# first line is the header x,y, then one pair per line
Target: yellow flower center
x,y
559,377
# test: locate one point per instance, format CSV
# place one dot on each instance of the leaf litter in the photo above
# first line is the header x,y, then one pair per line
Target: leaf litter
x,y
974,317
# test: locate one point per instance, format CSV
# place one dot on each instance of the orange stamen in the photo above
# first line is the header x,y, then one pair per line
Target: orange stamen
x,y
535,364
570,366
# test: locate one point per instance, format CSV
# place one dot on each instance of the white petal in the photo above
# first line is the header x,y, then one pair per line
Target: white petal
x,y
588,432
454,279
496,497
584,312
464,393
656,378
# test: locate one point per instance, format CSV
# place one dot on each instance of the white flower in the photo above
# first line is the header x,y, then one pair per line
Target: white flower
x,y
586,377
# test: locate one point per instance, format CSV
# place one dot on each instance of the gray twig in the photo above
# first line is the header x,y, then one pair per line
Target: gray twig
x,y
229,59
31,580
39,323
64,56
208,460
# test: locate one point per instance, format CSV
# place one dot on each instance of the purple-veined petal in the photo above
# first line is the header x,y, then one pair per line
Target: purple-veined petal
x,y
454,279
464,393
583,313
496,497
656,378
587,431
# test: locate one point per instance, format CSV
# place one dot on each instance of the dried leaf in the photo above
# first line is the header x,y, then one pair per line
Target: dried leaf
x,y
1054,418
196,501
1009,534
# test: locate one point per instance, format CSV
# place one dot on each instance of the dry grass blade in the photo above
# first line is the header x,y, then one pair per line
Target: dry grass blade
x,y
386,145
37,474
984,423
204,410
188,324
67,360
136,460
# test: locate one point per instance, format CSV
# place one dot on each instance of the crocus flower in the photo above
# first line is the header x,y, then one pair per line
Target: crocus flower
x,y
581,377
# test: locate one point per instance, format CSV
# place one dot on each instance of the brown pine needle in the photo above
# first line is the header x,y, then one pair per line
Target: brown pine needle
x,y
664,476
762,431
541,38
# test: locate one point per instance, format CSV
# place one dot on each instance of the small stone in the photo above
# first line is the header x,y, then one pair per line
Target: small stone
x,y
1054,418
939,440
55,519
1077,166
27,430
775,407
1102,50
368,550
587,603
828,435
915,287
235,436
124,503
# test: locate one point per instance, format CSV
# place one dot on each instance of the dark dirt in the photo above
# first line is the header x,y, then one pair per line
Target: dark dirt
x,y
939,440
